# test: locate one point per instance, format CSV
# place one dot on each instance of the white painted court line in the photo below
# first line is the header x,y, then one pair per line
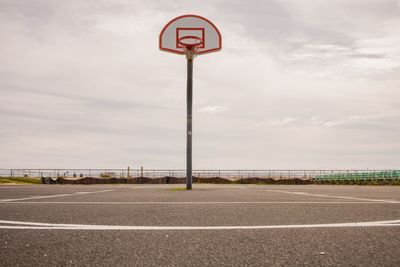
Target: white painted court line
x,y
197,187
53,196
47,226
330,196
192,202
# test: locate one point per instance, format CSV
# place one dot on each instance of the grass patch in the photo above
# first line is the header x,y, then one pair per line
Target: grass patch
x,y
177,189
20,180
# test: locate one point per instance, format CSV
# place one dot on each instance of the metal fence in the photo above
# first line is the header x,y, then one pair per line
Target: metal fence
x,y
227,174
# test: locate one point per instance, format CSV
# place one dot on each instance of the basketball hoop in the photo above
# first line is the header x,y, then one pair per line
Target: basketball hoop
x,y
190,35
190,45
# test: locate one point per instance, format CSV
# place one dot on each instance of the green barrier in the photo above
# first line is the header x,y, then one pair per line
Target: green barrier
x,y
360,176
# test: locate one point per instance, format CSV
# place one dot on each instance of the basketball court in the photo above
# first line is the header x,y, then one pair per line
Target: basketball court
x,y
212,224
219,225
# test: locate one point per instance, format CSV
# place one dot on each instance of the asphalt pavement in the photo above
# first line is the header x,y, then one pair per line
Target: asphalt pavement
x,y
217,225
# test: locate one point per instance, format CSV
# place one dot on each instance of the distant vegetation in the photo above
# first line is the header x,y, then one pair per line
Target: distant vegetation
x,y
19,180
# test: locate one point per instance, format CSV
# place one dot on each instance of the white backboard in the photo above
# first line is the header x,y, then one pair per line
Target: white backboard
x,y
190,25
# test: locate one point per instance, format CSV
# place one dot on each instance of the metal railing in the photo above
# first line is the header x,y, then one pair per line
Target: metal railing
x,y
227,174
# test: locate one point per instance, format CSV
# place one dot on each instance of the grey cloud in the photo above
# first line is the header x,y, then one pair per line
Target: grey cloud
x,y
369,55
83,78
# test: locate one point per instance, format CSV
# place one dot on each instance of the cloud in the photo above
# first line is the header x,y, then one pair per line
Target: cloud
x,y
353,119
212,109
349,121
83,84
283,122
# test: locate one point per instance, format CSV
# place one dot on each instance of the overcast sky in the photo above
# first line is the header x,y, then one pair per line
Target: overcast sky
x,y
298,84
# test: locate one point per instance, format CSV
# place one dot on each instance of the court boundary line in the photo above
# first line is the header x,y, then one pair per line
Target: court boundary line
x,y
331,196
48,226
193,202
54,196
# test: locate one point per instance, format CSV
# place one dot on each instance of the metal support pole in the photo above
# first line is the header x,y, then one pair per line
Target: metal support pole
x,y
189,101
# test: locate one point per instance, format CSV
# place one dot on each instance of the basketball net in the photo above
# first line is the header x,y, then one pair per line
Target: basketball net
x,y
190,46
191,51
